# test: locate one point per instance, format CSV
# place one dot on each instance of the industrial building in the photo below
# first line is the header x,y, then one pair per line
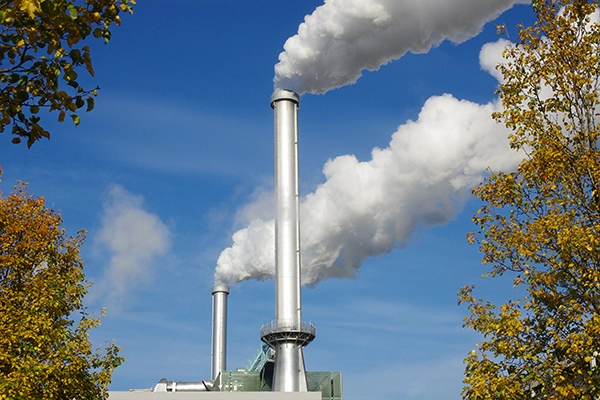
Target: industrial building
x,y
278,370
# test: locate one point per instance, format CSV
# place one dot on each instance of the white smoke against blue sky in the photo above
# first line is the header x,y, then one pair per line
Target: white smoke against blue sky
x,y
368,208
424,176
184,128
342,38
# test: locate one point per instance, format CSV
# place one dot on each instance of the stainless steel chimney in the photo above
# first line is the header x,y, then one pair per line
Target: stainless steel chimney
x,y
219,330
287,334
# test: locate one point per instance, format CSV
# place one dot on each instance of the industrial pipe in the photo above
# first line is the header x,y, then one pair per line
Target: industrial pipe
x,y
287,334
219,330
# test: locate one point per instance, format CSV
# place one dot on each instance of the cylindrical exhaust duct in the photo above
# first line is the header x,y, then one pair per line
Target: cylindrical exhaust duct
x,y
287,231
287,334
219,330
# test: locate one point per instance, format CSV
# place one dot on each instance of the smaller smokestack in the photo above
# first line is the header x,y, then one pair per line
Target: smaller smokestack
x,y
219,332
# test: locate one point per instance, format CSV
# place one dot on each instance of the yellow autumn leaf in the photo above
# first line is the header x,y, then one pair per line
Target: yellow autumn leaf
x,y
541,222
30,6
45,327
38,37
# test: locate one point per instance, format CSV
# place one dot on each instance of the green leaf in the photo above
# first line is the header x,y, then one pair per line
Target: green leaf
x,y
90,104
76,119
75,55
70,75
73,12
23,96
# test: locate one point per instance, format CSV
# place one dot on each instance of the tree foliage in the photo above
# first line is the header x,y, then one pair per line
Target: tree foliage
x,y
44,352
541,224
41,55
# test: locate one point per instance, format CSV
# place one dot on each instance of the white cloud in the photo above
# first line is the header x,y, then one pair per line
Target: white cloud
x,y
134,239
491,55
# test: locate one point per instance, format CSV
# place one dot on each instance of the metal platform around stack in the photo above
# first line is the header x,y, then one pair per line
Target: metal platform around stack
x,y
274,332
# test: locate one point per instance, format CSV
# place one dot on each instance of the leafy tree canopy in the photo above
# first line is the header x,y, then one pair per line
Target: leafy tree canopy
x,y
41,55
541,224
44,352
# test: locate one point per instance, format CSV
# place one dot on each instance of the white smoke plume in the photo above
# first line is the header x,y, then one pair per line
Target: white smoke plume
x,y
368,208
342,38
134,239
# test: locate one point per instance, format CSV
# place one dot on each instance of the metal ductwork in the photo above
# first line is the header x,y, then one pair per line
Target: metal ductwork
x,y
287,334
218,349
219,330
171,386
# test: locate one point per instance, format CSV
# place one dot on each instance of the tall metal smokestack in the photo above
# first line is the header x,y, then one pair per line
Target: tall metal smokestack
x,y
287,334
219,333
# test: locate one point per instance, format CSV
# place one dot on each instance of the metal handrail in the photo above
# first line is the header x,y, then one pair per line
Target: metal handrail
x,y
287,326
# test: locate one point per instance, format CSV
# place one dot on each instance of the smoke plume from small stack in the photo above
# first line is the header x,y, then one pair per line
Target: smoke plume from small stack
x,y
342,38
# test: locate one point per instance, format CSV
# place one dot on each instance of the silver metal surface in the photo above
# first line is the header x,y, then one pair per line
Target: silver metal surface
x,y
214,396
287,230
219,333
282,326
286,334
203,386
287,371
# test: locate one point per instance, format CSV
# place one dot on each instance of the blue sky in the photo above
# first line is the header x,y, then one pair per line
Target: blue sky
x,y
178,155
